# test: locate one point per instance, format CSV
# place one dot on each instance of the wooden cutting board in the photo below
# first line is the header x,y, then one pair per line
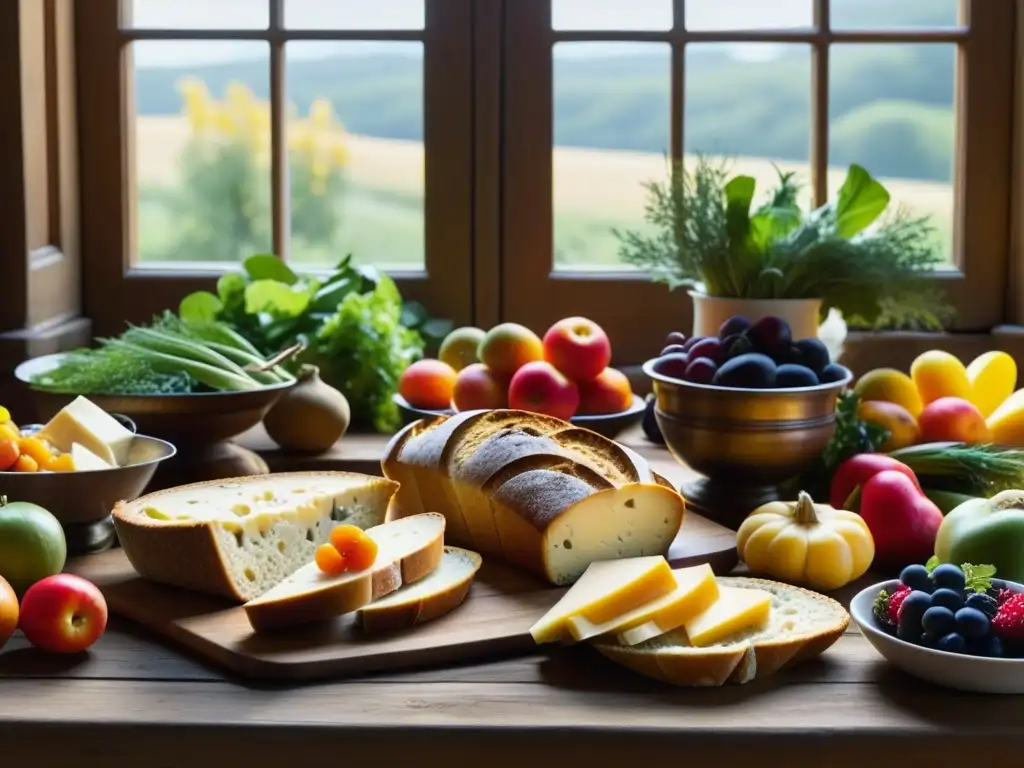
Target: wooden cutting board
x,y
494,620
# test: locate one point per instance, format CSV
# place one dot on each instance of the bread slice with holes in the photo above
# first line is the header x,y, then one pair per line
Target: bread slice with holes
x,y
801,625
430,598
409,550
533,491
238,538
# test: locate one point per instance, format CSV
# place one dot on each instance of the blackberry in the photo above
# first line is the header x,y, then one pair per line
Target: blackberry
x,y
986,603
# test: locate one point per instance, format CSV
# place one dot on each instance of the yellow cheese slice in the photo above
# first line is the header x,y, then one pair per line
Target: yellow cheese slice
x,y
82,421
736,610
696,591
85,460
607,589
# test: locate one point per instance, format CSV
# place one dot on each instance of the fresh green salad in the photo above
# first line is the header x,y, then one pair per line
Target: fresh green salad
x,y
168,356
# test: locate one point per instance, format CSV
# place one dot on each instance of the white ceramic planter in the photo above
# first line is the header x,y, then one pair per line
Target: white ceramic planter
x,y
709,312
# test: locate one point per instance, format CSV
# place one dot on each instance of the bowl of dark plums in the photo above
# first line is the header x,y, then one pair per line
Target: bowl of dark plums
x,y
748,409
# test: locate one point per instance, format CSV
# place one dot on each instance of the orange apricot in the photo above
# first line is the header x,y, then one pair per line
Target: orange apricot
x,y
358,550
329,560
428,384
37,449
25,463
9,454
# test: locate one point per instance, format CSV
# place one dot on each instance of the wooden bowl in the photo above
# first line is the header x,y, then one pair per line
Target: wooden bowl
x,y
609,425
745,441
185,420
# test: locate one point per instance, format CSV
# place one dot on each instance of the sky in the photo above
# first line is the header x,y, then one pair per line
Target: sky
x,y
408,14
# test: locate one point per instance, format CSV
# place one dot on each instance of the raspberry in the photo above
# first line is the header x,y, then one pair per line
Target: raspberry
x,y
1004,595
895,601
1009,621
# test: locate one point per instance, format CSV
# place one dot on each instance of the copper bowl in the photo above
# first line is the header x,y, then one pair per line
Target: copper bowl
x,y
744,441
185,420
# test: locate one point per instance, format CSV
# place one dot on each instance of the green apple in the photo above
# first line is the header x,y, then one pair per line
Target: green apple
x,y
32,544
986,532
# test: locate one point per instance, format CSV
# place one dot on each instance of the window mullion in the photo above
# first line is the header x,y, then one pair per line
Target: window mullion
x,y
279,186
678,80
820,101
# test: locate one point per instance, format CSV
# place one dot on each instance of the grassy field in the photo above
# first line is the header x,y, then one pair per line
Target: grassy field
x,y
594,192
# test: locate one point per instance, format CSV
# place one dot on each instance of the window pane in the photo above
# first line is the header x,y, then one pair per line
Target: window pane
x,y
611,14
354,14
611,105
198,14
894,14
356,151
750,105
748,14
892,111
202,134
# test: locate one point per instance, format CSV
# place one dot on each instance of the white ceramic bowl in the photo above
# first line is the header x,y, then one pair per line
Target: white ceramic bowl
x,y
952,670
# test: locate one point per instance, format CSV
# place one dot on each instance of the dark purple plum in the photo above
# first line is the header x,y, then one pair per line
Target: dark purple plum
x,y
650,423
701,370
676,337
811,353
711,348
673,366
732,326
673,349
753,371
771,336
791,375
833,372
691,341
737,345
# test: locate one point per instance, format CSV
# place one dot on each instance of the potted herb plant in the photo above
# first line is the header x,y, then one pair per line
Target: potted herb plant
x,y
854,254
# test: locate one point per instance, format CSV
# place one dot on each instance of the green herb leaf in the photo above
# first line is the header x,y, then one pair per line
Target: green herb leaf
x,y
231,289
266,266
978,577
276,299
862,199
933,563
201,306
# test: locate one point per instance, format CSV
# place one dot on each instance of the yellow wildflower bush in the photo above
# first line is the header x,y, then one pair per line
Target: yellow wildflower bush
x,y
226,171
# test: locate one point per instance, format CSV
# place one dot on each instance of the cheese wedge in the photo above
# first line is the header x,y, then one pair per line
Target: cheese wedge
x,y
608,588
736,610
85,460
695,593
82,421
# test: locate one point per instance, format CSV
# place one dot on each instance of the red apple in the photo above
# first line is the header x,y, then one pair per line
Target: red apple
x,y
477,388
578,348
953,419
608,393
63,614
542,388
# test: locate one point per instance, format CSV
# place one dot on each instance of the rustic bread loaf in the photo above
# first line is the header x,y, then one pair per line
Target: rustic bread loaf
x,y
429,598
802,624
239,537
409,549
534,491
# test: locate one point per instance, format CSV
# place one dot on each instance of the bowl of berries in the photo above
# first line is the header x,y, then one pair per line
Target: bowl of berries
x,y
748,408
955,626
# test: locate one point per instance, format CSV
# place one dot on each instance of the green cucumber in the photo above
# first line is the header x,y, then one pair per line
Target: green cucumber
x,y
947,501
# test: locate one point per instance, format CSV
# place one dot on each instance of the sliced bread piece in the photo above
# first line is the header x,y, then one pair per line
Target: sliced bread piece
x,y
427,599
802,624
238,538
697,590
409,549
607,589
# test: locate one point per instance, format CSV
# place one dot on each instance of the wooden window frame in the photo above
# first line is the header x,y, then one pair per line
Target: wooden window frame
x,y
116,290
637,313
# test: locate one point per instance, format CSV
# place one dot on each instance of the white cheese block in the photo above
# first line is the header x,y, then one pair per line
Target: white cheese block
x,y
82,421
85,460
242,536
607,589
696,591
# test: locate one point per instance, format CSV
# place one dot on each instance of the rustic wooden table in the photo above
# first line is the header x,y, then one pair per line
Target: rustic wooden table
x,y
134,701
